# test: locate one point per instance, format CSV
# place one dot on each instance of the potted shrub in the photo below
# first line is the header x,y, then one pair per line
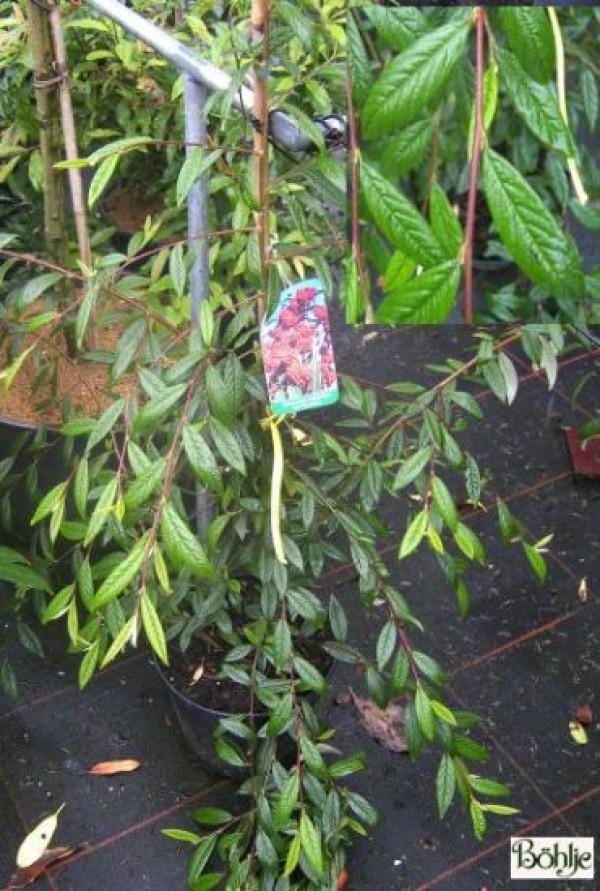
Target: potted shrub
x,y
189,512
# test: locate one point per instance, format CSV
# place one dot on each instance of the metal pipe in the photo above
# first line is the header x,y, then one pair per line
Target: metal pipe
x,y
283,129
195,135
194,97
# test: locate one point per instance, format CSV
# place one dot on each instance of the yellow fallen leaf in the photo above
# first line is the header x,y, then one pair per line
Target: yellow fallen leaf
x,y
34,845
578,732
108,768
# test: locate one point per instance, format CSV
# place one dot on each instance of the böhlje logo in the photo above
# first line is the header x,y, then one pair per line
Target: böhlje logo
x,y
552,857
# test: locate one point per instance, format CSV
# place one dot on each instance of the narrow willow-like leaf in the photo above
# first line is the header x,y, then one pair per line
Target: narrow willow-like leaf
x,y
414,80
539,246
359,64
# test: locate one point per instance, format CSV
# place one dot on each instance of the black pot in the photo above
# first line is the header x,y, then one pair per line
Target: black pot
x,y
198,724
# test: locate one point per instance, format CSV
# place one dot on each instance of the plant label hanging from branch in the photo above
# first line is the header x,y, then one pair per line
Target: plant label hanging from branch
x,y
297,350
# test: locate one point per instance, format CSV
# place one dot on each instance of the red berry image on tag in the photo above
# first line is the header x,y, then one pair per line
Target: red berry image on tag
x,y
297,350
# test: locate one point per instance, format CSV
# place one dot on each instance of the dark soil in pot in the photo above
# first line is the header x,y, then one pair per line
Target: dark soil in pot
x,y
201,698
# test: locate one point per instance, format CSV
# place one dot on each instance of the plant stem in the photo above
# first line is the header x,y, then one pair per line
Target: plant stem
x,y
354,196
474,177
259,23
45,82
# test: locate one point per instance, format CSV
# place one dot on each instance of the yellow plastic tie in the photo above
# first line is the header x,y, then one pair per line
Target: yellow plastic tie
x,y
276,484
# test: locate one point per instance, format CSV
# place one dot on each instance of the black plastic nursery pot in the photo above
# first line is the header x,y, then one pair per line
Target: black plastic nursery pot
x,y
198,724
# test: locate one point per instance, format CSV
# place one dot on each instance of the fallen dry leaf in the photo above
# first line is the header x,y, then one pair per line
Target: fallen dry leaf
x,y
108,768
197,674
385,726
27,875
584,715
582,591
578,732
35,842
342,882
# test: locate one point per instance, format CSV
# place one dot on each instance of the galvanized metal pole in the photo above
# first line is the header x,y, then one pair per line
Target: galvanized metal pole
x,y
195,135
282,128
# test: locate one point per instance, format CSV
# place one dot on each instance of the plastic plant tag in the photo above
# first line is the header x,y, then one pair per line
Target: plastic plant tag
x,y
297,350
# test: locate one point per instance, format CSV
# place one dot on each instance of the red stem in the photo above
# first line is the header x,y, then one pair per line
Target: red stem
x,y
474,177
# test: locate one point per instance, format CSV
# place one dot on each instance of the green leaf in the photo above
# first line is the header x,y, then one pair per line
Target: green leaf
x,y
49,502
158,407
502,809
589,92
445,223
337,619
105,423
144,485
292,856
536,561
227,445
211,816
286,801
81,486
35,287
472,480
386,644
201,856
310,675
413,535
102,177
122,575
536,104
488,787
183,835
469,543
121,639
362,808
282,644
153,628
445,784
478,820
404,150
59,604
181,544
415,80
201,458
443,712
88,664
398,219
280,717
529,35
411,468
397,28
177,269
539,246
427,299
424,713
197,162
310,839
428,667
399,672
444,502
359,65
100,514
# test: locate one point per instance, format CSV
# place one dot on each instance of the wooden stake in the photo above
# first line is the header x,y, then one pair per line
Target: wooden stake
x,y
46,84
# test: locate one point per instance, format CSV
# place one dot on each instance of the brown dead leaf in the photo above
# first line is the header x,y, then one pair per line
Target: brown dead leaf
x,y
108,768
342,881
28,874
385,726
584,715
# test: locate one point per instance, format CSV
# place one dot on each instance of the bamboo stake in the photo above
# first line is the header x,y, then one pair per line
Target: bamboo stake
x,y
70,138
48,116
